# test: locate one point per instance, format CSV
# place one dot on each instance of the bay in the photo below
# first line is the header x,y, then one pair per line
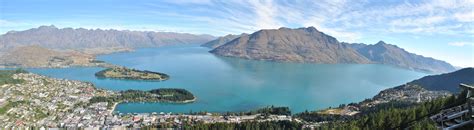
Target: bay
x,y
224,84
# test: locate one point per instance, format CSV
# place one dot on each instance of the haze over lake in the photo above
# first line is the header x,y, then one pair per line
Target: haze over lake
x,y
230,84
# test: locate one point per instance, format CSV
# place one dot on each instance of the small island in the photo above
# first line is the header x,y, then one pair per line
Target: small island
x,y
171,95
131,74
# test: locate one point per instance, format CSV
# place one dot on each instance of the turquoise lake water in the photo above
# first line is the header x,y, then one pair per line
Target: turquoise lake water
x,y
224,84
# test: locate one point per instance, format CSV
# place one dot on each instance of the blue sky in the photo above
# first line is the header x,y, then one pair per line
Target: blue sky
x,y
442,29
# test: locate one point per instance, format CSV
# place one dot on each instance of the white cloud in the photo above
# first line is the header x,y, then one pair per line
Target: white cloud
x,y
423,30
309,13
343,19
8,23
433,17
3,22
465,16
266,14
418,21
460,44
336,32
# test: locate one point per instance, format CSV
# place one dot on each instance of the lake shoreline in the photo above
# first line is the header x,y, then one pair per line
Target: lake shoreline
x,y
231,84
114,107
173,102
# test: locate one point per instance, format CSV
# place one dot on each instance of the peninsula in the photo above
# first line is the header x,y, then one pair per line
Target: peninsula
x,y
28,99
171,95
131,74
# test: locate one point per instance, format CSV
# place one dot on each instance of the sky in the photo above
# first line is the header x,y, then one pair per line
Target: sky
x,y
442,29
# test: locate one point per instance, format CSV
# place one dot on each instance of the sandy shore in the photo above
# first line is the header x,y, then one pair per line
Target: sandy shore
x,y
113,107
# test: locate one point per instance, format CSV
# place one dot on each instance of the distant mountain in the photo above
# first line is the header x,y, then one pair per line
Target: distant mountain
x,y
448,81
220,41
356,46
48,46
384,53
310,45
69,38
36,56
293,45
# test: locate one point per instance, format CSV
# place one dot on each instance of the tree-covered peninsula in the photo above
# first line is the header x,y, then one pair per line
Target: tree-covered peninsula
x,y
131,74
173,95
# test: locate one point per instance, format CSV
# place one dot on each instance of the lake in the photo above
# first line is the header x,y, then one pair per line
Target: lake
x,y
224,84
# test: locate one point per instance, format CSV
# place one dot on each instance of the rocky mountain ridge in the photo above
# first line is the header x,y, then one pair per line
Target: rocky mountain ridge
x,y
45,46
291,45
52,37
310,45
383,53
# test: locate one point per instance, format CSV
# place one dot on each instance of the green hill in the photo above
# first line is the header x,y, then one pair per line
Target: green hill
x,y
447,81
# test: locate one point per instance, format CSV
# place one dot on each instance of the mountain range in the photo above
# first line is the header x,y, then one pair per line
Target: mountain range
x,y
49,46
52,37
283,44
383,53
310,45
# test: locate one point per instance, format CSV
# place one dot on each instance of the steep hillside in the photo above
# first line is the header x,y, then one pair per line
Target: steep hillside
x,y
220,41
293,45
448,81
427,88
384,53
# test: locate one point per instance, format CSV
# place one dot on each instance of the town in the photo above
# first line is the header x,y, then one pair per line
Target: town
x,y
40,101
